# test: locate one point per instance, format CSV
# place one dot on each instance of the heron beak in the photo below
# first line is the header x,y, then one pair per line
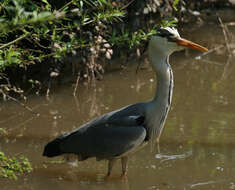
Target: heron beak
x,y
189,44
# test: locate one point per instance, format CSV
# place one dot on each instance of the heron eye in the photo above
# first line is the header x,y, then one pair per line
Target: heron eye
x,y
172,39
165,33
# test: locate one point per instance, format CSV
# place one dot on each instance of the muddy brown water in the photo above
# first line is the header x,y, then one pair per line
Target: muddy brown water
x,y
197,148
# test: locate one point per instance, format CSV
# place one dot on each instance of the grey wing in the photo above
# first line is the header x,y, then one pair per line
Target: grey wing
x,y
108,136
114,141
104,141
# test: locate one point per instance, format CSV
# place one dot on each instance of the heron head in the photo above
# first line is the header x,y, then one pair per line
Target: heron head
x,y
167,40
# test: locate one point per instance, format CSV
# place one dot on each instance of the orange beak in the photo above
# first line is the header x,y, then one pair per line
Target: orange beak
x,y
189,44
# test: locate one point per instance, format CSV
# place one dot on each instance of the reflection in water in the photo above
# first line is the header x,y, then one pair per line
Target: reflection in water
x,y
197,145
164,158
198,185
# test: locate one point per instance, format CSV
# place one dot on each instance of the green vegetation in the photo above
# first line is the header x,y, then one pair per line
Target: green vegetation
x,y
38,39
11,167
39,35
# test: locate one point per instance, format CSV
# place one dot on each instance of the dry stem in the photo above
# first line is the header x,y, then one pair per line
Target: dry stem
x,y
76,85
225,32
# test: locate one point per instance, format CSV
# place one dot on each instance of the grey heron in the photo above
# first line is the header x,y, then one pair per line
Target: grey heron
x,y
118,134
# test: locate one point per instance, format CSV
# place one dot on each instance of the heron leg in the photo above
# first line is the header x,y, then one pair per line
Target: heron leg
x,y
124,165
110,166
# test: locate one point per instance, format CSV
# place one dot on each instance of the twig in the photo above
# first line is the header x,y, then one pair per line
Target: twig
x,y
22,104
67,4
224,28
76,100
21,124
34,50
76,85
48,88
127,5
40,45
14,41
212,62
137,68
5,78
197,185
212,50
227,69
14,99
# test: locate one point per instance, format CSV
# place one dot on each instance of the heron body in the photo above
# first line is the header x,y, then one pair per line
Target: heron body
x,y
119,133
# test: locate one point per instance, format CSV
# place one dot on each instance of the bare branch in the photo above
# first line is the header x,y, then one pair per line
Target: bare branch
x,y
16,40
76,85
226,39
22,104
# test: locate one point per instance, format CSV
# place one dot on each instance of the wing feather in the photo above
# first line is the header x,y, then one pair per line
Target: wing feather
x,y
108,136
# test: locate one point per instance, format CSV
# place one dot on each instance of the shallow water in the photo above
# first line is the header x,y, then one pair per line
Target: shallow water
x,y
197,144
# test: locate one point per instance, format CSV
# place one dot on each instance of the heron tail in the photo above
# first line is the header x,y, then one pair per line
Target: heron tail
x,y
53,148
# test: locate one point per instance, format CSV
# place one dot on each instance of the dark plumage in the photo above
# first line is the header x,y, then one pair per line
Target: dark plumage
x,y
103,133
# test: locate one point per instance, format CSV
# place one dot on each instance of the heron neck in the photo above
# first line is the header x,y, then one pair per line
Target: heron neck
x,y
159,106
164,77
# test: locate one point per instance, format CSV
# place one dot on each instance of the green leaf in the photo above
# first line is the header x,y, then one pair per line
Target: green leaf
x,y
174,5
